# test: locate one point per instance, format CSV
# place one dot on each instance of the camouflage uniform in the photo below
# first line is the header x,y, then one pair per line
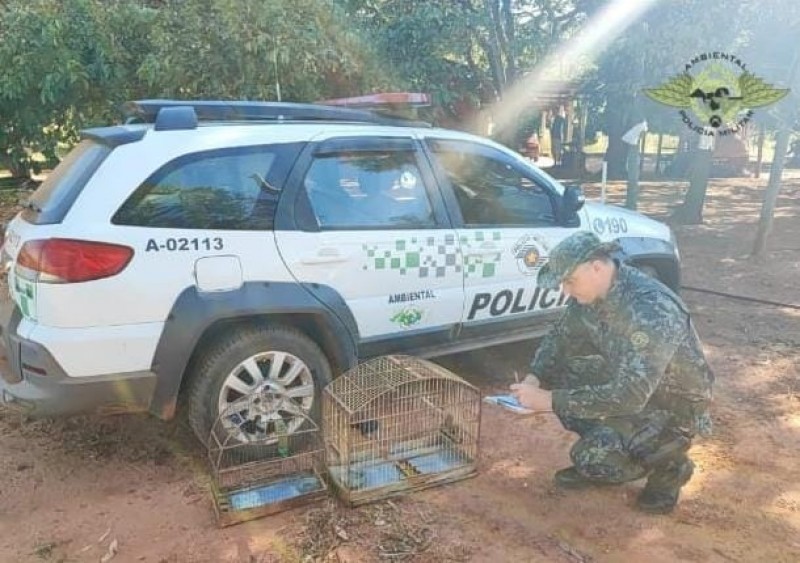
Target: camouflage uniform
x,y
627,373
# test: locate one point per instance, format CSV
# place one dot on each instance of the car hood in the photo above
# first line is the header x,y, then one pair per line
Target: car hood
x,y
601,221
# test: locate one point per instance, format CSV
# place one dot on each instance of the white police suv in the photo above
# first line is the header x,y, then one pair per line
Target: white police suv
x,y
208,249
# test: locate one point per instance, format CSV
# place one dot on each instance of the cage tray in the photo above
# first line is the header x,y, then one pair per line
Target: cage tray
x,y
239,505
436,462
382,472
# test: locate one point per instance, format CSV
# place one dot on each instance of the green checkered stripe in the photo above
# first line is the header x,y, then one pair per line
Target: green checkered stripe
x,y
484,266
424,257
430,257
26,297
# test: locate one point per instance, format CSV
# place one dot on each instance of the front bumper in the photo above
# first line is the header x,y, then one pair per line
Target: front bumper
x,y
54,393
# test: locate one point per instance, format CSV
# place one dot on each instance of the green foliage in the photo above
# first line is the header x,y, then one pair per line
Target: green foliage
x,y
68,64
62,62
467,52
251,49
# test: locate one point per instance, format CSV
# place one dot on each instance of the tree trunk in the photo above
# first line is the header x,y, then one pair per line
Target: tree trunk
x,y
771,194
760,157
616,121
659,152
495,64
776,170
690,212
510,39
642,152
17,168
494,46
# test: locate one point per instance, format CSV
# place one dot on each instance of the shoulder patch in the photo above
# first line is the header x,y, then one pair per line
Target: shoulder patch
x,y
639,340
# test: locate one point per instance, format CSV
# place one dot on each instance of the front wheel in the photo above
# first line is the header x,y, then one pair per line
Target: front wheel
x,y
257,382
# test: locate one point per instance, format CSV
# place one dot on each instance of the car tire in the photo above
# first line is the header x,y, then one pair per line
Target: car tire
x,y
217,367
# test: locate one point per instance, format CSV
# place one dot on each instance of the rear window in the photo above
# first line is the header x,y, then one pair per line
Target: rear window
x,y
53,199
230,189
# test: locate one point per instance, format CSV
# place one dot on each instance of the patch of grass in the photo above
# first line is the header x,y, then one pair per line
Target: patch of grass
x,y
50,551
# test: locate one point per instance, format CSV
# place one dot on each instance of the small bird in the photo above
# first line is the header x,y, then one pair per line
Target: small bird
x,y
367,428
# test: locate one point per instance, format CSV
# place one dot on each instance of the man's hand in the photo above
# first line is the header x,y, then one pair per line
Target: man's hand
x,y
531,396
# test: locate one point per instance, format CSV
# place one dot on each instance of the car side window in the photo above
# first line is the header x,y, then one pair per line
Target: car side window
x,y
231,189
490,189
372,189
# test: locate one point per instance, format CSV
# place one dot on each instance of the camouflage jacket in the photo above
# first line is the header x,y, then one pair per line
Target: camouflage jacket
x,y
652,356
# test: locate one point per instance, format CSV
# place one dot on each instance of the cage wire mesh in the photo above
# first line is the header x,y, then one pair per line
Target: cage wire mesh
x,y
266,456
397,423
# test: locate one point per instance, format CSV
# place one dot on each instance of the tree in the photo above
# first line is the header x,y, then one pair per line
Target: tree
x,y
67,65
652,51
773,50
62,63
466,53
249,49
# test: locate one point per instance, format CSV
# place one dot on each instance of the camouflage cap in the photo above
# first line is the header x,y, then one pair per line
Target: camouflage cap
x,y
568,255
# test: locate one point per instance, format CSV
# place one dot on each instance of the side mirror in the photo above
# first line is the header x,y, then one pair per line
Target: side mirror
x,y
571,202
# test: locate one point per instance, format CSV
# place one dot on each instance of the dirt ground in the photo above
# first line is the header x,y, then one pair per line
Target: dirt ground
x,y
72,488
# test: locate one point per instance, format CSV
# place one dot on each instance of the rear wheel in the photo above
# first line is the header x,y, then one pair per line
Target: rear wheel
x,y
260,381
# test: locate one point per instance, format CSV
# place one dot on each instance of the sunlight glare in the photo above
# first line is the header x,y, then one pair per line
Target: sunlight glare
x,y
597,34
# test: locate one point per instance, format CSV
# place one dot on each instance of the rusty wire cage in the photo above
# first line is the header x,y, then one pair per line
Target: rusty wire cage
x,y
266,456
397,423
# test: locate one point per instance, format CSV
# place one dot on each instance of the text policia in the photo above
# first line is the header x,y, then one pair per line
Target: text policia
x,y
509,302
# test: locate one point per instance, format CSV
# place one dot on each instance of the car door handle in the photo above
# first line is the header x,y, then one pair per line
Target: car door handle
x,y
484,249
325,255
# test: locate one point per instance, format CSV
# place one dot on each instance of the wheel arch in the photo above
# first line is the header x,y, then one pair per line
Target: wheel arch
x,y
655,253
196,320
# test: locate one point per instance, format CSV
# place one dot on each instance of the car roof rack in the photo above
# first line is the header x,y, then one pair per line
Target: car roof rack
x,y
185,114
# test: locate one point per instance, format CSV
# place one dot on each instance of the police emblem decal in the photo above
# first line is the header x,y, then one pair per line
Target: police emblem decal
x,y
531,258
529,253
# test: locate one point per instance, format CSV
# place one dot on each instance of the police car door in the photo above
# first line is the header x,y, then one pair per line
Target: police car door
x,y
371,226
505,215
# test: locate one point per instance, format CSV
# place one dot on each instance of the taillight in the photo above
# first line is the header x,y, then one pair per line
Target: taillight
x,y
59,260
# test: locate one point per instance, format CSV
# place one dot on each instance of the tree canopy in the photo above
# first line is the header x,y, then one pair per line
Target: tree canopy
x,y
68,64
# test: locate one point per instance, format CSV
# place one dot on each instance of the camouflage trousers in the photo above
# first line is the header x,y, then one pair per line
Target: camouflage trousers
x,y
613,449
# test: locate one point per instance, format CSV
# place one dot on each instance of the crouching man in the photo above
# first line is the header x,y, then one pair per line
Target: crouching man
x,y
625,370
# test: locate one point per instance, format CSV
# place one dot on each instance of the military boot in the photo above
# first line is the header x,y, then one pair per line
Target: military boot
x,y
570,478
660,495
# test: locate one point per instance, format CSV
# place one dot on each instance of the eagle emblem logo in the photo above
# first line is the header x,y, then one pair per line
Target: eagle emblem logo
x,y
717,96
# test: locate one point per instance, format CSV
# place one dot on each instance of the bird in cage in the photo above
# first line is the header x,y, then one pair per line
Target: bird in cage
x,y
367,427
451,430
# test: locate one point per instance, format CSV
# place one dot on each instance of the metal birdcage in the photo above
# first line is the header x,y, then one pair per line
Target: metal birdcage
x,y
266,456
396,423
